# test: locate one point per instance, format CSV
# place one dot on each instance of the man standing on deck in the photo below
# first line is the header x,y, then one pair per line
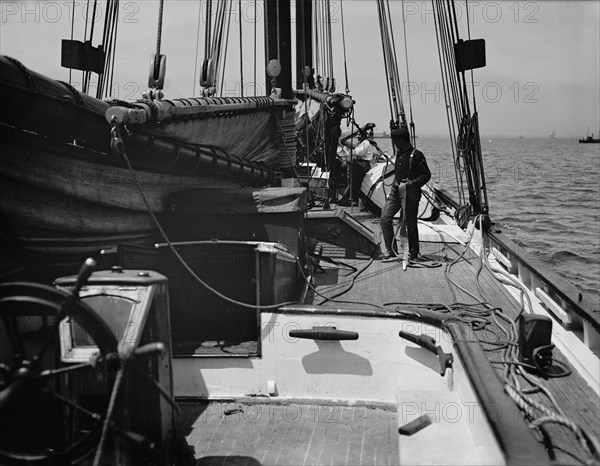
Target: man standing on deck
x,y
411,173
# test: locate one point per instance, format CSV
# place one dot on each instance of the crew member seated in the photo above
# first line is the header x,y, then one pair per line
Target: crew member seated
x,y
361,151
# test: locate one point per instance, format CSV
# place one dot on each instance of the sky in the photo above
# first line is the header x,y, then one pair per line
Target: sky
x,y
542,73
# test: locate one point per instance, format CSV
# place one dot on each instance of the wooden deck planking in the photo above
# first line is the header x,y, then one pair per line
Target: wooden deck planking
x,y
340,455
383,283
291,434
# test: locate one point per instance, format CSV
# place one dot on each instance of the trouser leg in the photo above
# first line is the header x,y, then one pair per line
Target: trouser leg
x,y
358,173
392,206
412,211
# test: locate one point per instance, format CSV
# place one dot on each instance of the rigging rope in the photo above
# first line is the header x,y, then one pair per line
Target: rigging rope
x,y
397,114
197,47
208,29
323,45
109,43
344,46
254,68
88,74
537,413
241,51
412,123
159,29
222,60
463,125
72,29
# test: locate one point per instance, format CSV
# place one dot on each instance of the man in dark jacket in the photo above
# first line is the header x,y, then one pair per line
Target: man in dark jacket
x,y
411,173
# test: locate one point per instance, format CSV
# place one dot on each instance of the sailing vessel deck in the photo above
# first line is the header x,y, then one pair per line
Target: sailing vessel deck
x,y
388,285
349,279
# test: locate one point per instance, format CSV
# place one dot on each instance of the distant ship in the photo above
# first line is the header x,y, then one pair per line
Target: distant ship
x,y
382,135
553,135
589,139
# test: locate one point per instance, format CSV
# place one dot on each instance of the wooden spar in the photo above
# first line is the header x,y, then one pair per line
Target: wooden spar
x,y
148,111
278,44
341,100
304,56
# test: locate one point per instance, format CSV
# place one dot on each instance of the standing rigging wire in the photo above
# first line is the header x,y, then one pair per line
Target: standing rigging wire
x,y
109,42
208,30
316,35
412,123
467,156
278,31
394,62
330,39
223,58
197,47
459,185
85,31
397,114
106,46
241,50
319,34
215,50
159,30
254,67
323,39
267,34
72,30
344,46
386,67
472,77
449,93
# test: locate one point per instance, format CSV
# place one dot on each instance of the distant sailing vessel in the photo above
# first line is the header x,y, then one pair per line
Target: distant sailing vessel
x,y
589,139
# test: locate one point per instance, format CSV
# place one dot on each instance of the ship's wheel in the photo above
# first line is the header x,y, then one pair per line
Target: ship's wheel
x,y
36,410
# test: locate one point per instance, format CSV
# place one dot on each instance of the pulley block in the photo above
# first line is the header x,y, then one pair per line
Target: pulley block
x,y
274,68
207,77
158,69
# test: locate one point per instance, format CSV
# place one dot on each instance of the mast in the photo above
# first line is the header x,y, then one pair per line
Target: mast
x,y
278,44
304,56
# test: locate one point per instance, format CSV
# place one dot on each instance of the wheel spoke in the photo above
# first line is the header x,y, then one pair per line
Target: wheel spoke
x,y
15,343
72,404
46,374
7,394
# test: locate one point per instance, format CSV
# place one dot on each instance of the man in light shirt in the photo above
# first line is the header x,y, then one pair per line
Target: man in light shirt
x,y
362,154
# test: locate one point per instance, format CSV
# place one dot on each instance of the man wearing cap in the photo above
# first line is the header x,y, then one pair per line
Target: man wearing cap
x,y
411,173
363,152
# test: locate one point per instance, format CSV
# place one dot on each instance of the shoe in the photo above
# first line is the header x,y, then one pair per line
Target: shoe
x,y
388,257
415,259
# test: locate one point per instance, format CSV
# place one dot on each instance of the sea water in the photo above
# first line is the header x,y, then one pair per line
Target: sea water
x,y
545,193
